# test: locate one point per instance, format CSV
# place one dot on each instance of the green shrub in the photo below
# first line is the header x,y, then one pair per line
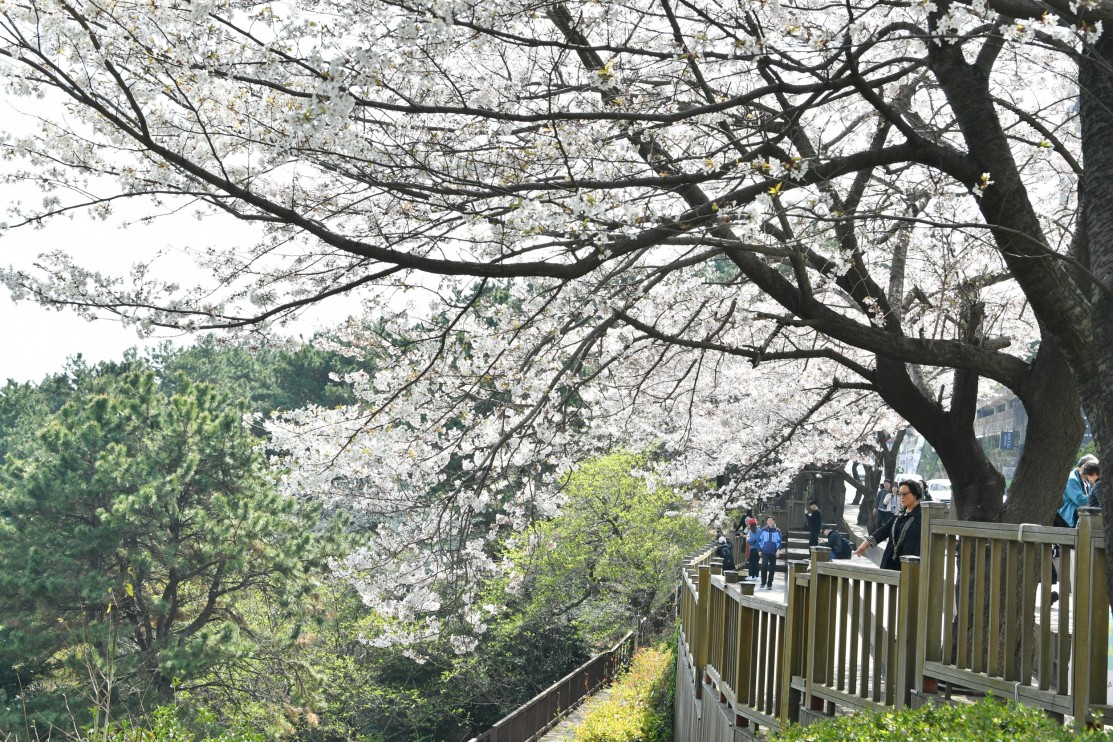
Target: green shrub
x,y
986,720
165,724
639,707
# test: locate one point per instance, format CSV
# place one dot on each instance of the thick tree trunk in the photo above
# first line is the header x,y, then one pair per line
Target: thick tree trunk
x,y
976,485
1053,292
829,493
865,491
890,452
1096,202
1055,428
859,491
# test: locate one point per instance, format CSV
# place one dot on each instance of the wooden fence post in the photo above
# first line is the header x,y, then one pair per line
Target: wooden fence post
x,y
1091,619
745,658
795,641
908,629
703,620
931,578
819,598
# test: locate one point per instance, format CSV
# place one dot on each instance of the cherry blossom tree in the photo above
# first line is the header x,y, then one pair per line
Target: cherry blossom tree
x,y
713,229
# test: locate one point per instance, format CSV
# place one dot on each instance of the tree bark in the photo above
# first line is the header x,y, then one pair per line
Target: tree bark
x,y
976,485
859,490
829,493
1055,429
1095,82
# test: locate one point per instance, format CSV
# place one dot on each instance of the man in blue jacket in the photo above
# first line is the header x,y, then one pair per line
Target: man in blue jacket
x,y
769,544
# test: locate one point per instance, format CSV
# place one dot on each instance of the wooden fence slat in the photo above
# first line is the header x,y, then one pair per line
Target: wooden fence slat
x,y
896,631
966,551
794,629
763,629
1013,610
878,641
978,559
1066,579
949,587
770,698
819,608
867,633
993,646
854,621
911,624
831,607
745,647
1044,668
1099,623
1029,577
842,602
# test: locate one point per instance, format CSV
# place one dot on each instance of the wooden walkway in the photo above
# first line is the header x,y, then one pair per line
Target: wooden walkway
x,y
565,731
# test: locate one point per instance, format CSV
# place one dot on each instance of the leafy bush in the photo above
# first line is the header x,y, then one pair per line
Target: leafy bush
x,y
639,707
610,557
165,724
986,720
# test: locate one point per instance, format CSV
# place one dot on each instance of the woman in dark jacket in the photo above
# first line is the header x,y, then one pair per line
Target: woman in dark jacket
x,y
902,532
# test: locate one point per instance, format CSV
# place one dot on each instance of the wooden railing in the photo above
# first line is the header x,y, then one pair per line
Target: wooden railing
x,y
543,711
973,614
1008,635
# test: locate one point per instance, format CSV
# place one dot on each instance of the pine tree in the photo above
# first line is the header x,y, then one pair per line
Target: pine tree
x,y
130,531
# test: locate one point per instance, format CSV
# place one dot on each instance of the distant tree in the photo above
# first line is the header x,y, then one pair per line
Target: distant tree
x,y
129,533
609,559
20,404
266,377
429,689
569,586
26,406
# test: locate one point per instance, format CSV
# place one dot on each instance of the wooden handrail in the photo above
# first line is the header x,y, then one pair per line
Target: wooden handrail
x,y
544,710
977,610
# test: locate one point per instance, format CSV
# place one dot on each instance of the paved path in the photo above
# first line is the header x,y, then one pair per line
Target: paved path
x,y
565,731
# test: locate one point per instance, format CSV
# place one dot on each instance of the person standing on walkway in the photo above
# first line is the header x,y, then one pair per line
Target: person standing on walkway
x,y
744,521
753,548
895,504
815,522
1095,490
769,544
902,532
884,492
725,551
1076,494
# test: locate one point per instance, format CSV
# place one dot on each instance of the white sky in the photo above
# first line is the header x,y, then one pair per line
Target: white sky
x,y
37,340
